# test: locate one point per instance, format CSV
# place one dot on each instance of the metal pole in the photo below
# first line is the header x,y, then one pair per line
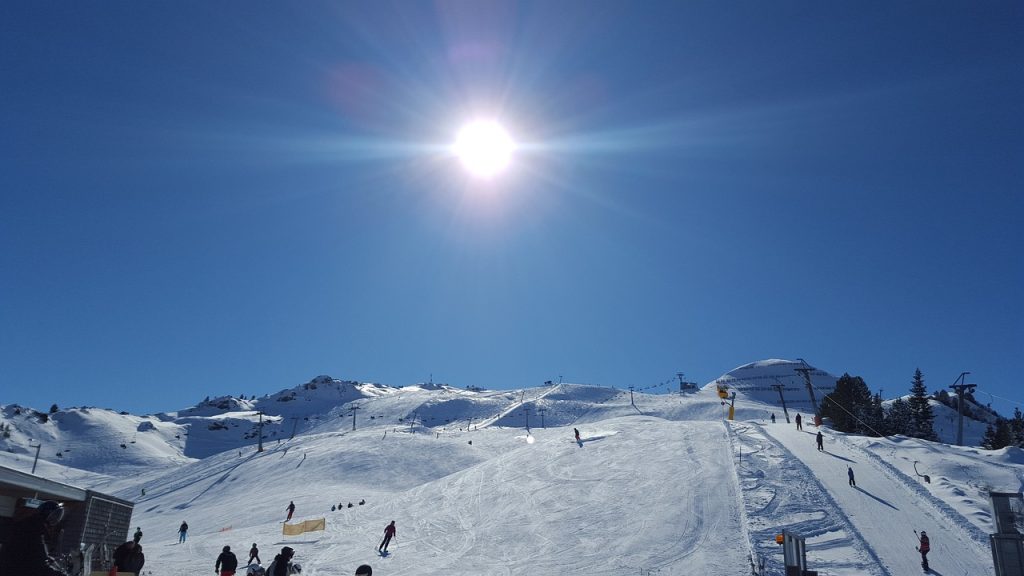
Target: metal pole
x,y
526,409
631,396
959,389
37,456
354,408
810,387
260,445
783,400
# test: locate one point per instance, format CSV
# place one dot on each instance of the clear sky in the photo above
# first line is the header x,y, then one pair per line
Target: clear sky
x,y
211,198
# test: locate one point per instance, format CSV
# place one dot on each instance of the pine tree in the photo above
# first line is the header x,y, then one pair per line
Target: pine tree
x,y
899,419
1017,428
922,416
998,435
849,405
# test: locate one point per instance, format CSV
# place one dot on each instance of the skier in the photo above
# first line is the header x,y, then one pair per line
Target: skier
x,y
364,570
773,417
799,422
128,557
923,547
577,432
254,552
138,534
291,510
389,533
25,552
282,564
182,532
821,441
226,563
849,472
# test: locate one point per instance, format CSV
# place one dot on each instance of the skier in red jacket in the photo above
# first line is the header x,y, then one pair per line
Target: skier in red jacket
x,y
923,547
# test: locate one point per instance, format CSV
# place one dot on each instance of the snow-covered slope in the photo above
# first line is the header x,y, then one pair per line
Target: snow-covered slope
x,y
659,484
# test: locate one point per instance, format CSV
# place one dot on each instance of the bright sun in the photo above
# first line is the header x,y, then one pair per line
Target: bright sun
x,y
484,147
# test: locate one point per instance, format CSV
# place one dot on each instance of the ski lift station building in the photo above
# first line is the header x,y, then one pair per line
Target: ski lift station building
x,y
90,518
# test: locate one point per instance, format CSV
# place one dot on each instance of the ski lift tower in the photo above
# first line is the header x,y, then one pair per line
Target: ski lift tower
x,y
806,371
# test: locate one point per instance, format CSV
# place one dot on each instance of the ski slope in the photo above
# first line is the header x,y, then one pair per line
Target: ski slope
x,y
659,484
886,506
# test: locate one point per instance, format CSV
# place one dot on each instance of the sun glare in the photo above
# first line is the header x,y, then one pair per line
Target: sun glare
x,y
484,147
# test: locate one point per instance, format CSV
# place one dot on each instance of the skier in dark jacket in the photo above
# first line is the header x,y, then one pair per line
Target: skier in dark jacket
x,y
226,562
182,532
849,473
821,442
577,433
282,564
799,422
25,552
138,534
923,546
291,510
254,552
389,533
128,557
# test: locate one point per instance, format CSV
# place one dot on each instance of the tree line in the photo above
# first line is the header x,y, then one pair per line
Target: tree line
x,y
853,408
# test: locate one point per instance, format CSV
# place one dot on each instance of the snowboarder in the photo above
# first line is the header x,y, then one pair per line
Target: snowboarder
x,y
849,472
821,442
389,533
799,422
923,546
773,417
254,552
291,510
25,552
182,532
138,534
577,433
128,557
364,570
226,562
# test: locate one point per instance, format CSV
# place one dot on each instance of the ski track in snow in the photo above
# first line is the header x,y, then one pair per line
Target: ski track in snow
x,y
780,492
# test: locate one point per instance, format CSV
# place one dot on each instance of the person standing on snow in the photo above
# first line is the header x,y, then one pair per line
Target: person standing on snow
x,y
226,563
773,417
25,552
138,534
254,552
282,564
128,557
799,422
291,510
577,432
821,442
389,533
849,472
182,532
923,546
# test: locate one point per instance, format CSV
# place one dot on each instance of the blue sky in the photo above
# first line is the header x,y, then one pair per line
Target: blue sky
x,y
231,198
